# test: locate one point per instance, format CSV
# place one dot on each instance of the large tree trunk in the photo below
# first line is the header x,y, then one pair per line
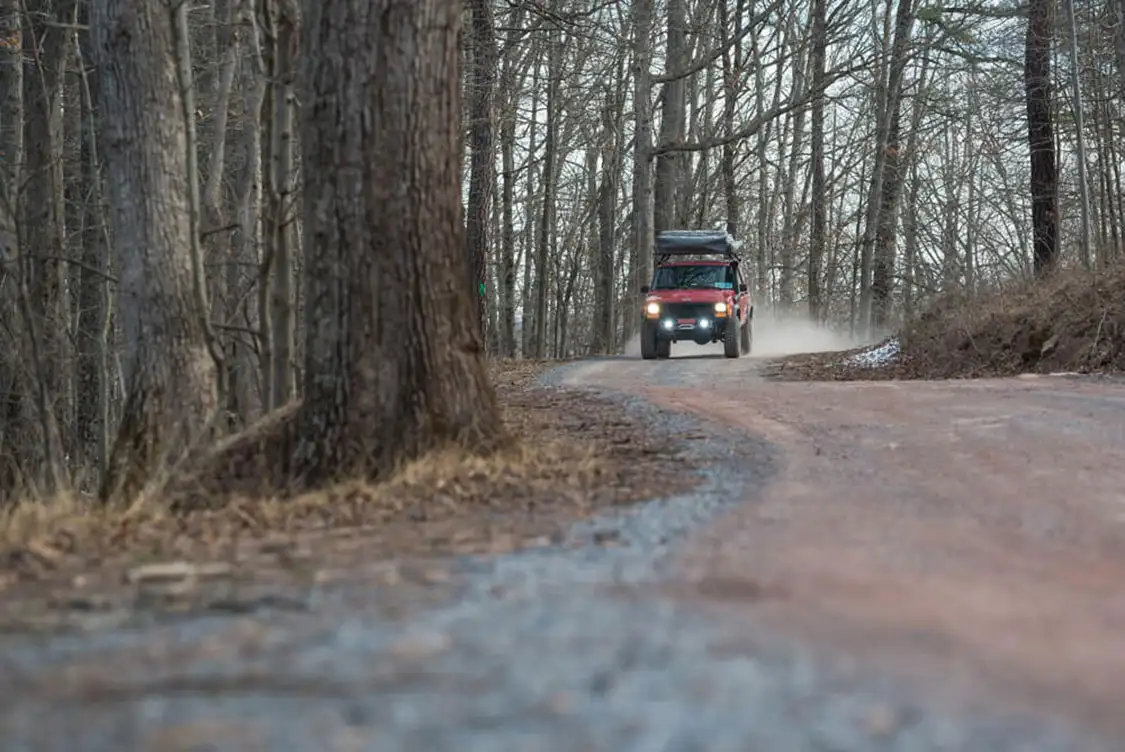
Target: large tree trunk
x,y
481,151
394,362
167,369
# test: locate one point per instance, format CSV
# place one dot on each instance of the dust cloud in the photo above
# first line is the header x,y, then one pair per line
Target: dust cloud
x,y
775,336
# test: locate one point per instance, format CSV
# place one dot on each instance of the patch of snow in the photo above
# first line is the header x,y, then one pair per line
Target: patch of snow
x,y
877,357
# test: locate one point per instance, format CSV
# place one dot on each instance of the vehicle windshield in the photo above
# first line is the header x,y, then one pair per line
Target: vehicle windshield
x,y
685,277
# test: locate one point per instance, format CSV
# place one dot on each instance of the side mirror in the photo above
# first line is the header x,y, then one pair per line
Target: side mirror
x,y
644,288
743,287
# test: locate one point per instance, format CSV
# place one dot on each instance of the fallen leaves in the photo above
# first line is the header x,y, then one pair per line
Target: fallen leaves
x,y
578,453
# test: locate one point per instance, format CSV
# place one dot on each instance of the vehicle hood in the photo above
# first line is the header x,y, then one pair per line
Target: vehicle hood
x,y
701,295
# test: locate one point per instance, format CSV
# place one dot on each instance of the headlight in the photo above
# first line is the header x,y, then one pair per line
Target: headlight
x,y
653,309
720,307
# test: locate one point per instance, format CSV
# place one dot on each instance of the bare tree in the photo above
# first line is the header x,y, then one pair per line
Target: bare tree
x,y
1085,239
168,372
818,235
1040,135
482,154
641,257
15,418
669,164
281,18
548,210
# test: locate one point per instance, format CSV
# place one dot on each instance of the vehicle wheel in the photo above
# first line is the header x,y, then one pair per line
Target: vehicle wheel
x,y
730,339
648,340
663,348
747,336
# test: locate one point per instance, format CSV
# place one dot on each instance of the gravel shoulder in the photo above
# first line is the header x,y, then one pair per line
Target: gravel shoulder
x,y
623,632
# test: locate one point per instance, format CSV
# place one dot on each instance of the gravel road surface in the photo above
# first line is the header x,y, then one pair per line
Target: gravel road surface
x,y
864,567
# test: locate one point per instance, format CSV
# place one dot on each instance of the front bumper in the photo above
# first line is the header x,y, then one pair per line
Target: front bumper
x,y
702,330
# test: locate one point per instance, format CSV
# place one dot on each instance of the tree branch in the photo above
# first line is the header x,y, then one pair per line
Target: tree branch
x,y
758,121
717,52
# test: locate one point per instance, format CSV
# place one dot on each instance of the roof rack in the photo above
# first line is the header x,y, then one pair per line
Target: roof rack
x,y
695,243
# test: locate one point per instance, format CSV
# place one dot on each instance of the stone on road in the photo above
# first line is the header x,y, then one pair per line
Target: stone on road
x,y
864,567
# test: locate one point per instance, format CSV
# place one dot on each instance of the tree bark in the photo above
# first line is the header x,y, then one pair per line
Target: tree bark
x,y
1040,136
669,165
482,157
818,236
245,246
284,21
1119,45
732,79
44,244
641,261
790,232
603,329
1085,240
547,210
888,98
168,372
92,408
15,427
510,97
394,365
886,233
531,202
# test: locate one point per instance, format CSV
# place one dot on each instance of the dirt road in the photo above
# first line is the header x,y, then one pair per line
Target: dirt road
x,y
970,534
864,567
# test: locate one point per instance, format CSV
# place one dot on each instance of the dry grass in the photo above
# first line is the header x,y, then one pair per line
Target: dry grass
x,y
574,453
1072,322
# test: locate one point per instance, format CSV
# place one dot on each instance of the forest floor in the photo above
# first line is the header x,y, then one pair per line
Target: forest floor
x,y
575,454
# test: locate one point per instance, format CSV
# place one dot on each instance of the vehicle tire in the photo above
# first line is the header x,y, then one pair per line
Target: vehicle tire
x,y
747,336
731,339
663,348
648,340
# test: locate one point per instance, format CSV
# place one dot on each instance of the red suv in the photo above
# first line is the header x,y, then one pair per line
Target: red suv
x,y
693,298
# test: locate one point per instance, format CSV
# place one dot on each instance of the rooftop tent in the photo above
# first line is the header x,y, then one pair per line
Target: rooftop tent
x,y
695,242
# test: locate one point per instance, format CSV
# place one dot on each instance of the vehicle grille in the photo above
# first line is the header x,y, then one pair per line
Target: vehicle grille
x,y
689,311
